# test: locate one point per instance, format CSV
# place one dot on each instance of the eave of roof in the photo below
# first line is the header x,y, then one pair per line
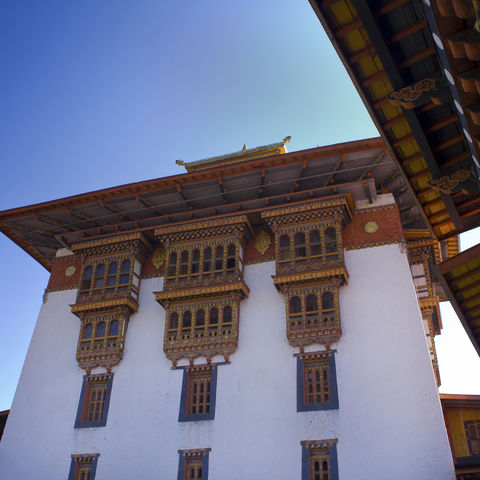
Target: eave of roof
x,y
249,186
387,47
460,279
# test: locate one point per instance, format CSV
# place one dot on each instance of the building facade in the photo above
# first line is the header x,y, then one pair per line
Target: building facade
x,y
266,315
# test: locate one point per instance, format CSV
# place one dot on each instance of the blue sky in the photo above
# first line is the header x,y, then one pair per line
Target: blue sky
x,y
95,94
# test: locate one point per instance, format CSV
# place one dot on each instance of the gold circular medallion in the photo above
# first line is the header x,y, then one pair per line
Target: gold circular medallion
x,y
69,271
371,226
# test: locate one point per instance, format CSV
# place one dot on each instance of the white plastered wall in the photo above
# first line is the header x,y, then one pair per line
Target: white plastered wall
x,y
389,424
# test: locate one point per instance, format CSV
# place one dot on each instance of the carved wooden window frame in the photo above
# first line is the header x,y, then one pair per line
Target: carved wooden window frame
x,y
83,466
199,390
209,266
304,318
94,401
319,460
193,464
296,251
107,284
316,382
195,331
91,340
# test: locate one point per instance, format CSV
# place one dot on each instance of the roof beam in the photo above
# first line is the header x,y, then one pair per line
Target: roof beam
x,y
144,203
442,123
468,288
222,189
390,6
405,32
24,228
373,165
417,57
184,197
339,162
51,221
82,216
113,209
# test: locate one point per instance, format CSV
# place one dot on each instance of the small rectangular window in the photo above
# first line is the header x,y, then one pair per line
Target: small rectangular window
x,y
319,460
472,432
316,382
198,394
83,466
94,401
193,464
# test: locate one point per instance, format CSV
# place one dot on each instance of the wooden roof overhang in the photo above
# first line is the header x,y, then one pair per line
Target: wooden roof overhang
x,y
404,78
362,168
460,279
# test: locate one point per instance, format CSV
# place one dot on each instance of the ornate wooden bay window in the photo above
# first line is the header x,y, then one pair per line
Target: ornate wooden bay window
x,y
203,286
423,254
310,266
313,313
107,296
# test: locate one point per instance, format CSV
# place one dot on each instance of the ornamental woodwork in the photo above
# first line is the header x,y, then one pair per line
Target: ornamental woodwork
x,y
308,240
203,286
421,255
203,329
101,340
107,295
310,267
313,315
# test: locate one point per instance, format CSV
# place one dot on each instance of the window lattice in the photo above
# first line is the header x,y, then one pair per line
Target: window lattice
x,y
101,334
110,278
198,395
94,401
203,262
472,431
193,468
200,322
319,465
308,245
312,308
83,467
316,381
193,464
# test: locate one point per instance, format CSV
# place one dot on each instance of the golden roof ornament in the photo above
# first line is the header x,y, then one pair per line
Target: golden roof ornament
x,y
236,157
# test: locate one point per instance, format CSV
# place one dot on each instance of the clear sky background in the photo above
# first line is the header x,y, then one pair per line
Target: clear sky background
x,y
100,93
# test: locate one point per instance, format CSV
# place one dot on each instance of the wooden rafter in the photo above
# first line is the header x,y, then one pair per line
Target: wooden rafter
x,y
441,123
468,288
235,207
113,209
417,57
24,228
51,221
82,216
298,176
407,31
339,162
184,197
222,189
373,165
390,6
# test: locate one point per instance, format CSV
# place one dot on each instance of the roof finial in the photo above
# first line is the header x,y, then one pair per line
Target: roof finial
x,y
180,162
287,139
244,147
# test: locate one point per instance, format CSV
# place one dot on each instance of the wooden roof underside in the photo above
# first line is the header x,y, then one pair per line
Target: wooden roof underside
x,y
387,46
364,168
460,278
